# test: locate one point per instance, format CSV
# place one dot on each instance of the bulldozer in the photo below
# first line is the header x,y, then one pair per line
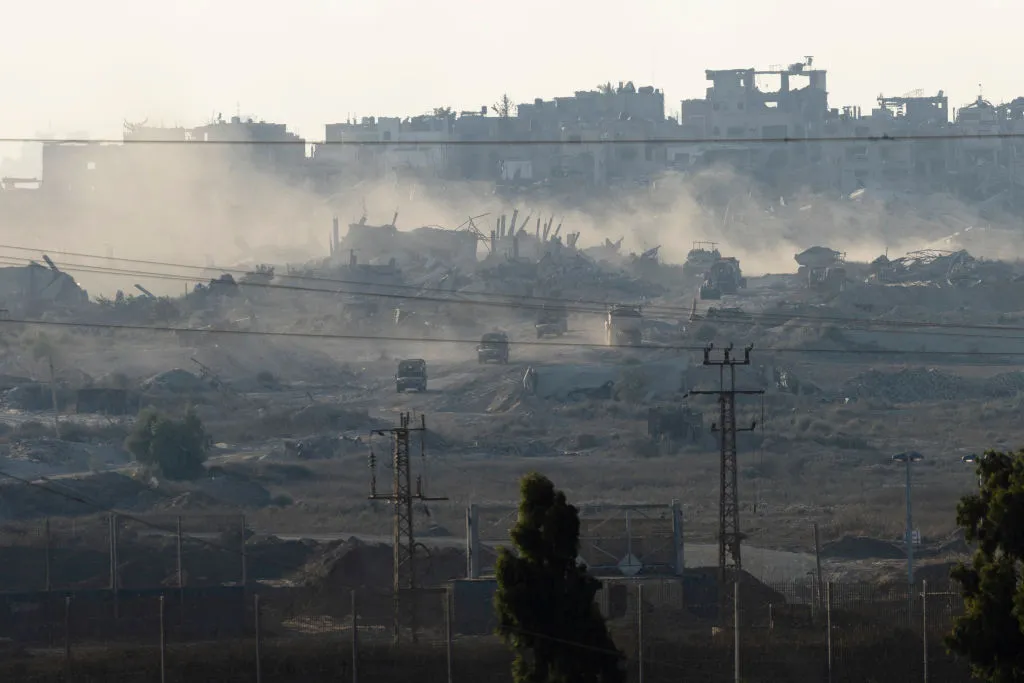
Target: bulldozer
x,y
822,268
722,278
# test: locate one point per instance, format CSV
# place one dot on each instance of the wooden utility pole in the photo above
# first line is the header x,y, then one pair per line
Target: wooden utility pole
x,y
402,497
729,536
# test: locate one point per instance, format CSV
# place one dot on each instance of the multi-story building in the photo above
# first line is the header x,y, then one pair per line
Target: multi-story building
x,y
269,147
150,155
386,145
753,127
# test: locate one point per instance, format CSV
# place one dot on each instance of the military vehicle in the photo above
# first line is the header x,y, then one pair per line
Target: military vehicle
x,y
552,320
701,257
493,347
412,374
822,268
722,278
623,325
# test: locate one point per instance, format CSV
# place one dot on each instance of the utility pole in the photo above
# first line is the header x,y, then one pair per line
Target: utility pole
x,y
729,536
401,499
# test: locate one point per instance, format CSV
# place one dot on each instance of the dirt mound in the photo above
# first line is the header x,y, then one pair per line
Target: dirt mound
x,y
907,385
176,381
934,574
861,548
1003,385
83,495
956,544
357,564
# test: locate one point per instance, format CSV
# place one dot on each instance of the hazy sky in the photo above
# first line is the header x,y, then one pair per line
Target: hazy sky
x,y
84,67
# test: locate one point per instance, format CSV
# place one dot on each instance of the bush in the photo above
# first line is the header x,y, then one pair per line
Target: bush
x,y
633,385
177,448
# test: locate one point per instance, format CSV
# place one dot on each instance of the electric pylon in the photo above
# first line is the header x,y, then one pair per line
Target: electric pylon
x,y
401,498
729,535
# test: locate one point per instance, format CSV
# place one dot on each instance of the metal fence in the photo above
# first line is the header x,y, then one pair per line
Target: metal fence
x,y
668,630
126,551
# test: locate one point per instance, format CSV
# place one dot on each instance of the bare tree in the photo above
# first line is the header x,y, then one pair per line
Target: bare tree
x,y
504,107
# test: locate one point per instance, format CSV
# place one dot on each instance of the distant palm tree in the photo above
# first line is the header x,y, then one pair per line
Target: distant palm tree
x,y
606,88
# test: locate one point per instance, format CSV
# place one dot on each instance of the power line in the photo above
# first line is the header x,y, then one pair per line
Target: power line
x,y
574,306
296,276
885,137
97,507
525,342
600,304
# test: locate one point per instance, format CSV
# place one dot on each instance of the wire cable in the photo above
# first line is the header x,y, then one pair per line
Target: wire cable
x,y
600,305
456,142
594,307
526,342
97,507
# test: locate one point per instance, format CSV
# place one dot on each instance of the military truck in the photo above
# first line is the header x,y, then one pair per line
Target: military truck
x,y
493,347
723,277
412,374
552,320
623,326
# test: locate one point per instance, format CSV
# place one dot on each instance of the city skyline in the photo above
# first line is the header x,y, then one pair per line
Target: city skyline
x,y
187,67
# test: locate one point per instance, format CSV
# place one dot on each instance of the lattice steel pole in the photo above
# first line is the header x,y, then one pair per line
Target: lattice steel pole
x,y
401,499
729,534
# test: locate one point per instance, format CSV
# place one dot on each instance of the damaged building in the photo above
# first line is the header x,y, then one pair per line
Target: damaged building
x,y
37,287
380,244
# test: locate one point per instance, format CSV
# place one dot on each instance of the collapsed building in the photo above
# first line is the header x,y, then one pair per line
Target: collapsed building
x,y
374,244
35,286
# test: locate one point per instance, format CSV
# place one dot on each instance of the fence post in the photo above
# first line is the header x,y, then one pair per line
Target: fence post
x,y
67,637
828,625
245,559
448,628
924,625
678,541
640,630
736,626
113,560
259,641
46,531
163,644
355,639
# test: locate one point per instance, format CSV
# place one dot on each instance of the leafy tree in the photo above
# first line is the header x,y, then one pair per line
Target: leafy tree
x,y
991,631
177,448
545,597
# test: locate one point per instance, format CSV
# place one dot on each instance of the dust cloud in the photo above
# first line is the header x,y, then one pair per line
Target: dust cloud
x,y
206,205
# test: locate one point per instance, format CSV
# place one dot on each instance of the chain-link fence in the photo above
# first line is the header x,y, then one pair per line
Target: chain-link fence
x,y
126,551
669,629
